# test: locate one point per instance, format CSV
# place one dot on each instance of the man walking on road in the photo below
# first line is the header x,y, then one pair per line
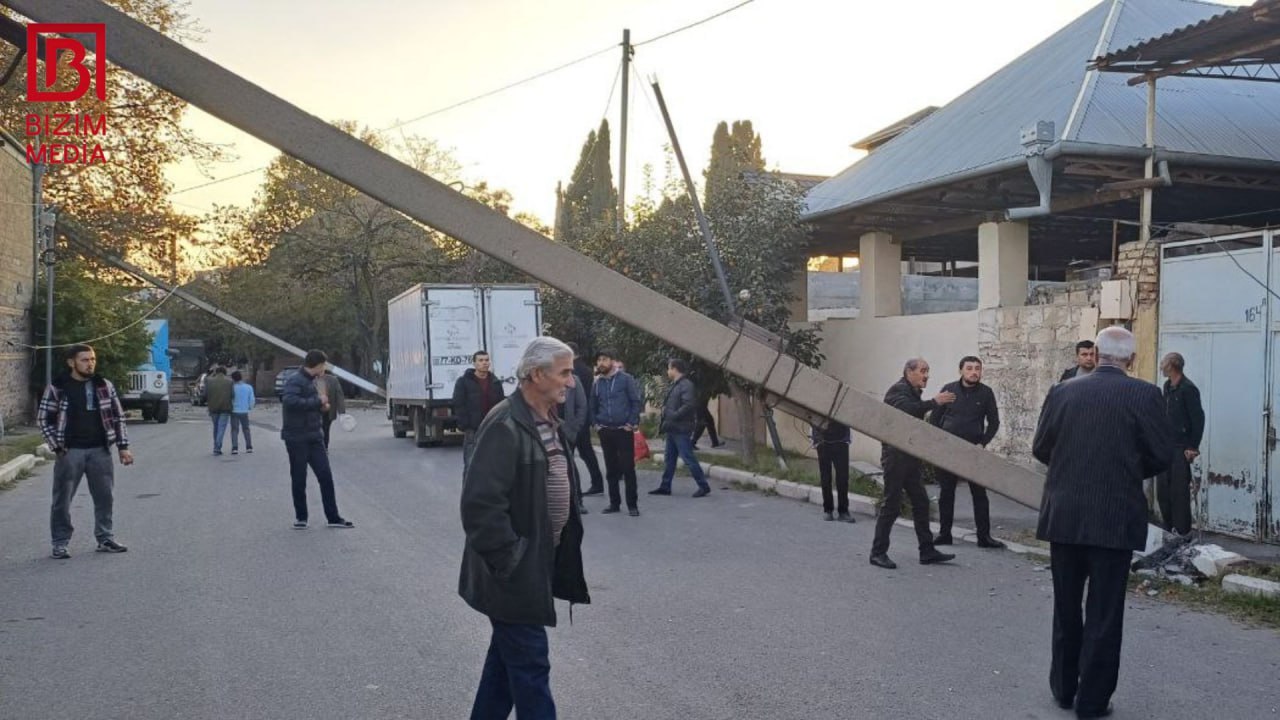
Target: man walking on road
x,y
582,443
332,391
474,394
902,471
524,535
1100,435
573,416
832,443
1086,361
303,434
219,397
242,402
617,415
81,418
1173,486
973,417
679,411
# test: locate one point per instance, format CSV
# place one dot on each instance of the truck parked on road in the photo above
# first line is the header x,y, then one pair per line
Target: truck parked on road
x,y
434,331
148,388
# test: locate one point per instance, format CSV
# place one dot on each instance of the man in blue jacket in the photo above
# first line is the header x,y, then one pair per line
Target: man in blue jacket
x,y
303,433
617,406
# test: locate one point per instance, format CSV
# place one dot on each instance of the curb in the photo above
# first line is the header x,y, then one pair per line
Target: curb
x,y
1245,585
10,471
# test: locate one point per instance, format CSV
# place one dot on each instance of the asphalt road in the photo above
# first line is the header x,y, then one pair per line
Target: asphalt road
x,y
736,606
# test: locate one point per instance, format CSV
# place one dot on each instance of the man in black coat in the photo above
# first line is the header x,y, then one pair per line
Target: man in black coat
x,y
1173,486
902,471
679,410
1100,435
582,443
1086,361
973,417
523,534
302,429
474,395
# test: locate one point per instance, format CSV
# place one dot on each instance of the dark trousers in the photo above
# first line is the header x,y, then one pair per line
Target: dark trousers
x,y
902,474
587,452
517,674
311,453
705,421
326,422
947,504
96,465
1173,493
1086,646
680,444
834,457
240,423
619,464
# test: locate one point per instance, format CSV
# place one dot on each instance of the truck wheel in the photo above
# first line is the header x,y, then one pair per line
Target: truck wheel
x,y
398,428
421,427
162,412
147,413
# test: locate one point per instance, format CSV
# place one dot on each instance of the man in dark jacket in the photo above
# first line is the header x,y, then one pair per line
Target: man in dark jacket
x,y
474,395
902,471
219,393
582,441
1086,361
302,430
832,443
81,418
973,417
524,535
617,409
1100,435
679,411
573,416
1182,403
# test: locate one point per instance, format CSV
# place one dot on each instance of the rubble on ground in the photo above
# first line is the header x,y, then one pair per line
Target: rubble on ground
x,y
1180,559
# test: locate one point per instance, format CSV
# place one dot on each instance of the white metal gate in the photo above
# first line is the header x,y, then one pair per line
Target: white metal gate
x,y
1220,310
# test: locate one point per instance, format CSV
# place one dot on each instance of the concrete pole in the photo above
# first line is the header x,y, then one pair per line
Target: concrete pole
x,y
1150,169
621,220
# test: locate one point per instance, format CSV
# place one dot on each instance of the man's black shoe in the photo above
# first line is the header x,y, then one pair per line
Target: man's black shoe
x,y
634,512
846,517
594,491
611,509
933,557
111,546
1065,703
883,561
990,543
341,523
943,539
828,516
660,491
1106,712
702,492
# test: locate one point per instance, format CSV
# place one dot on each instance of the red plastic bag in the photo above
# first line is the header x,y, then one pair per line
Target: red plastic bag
x,y
641,446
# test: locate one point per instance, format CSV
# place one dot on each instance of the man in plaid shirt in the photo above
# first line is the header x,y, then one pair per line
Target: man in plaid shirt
x,y
81,418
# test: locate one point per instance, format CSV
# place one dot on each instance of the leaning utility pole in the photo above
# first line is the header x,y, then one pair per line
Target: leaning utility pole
x,y
621,219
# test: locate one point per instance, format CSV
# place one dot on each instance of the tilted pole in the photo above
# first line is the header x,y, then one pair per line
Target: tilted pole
x,y
808,393
620,221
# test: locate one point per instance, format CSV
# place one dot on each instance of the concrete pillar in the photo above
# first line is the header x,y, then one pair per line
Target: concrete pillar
x,y
880,275
798,308
1002,264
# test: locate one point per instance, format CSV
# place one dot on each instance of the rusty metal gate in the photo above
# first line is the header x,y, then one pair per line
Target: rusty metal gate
x,y
1219,307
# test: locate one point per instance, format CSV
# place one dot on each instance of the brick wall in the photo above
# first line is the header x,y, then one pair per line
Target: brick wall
x,y
16,292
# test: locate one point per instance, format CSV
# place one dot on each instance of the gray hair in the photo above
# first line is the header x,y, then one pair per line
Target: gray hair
x,y
541,354
1175,361
913,364
1116,346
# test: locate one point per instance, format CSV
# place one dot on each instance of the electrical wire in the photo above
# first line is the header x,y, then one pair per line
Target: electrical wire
x,y
692,25
90,341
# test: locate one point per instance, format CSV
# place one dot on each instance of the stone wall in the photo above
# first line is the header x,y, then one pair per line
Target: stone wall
x,y
1024,351
16,292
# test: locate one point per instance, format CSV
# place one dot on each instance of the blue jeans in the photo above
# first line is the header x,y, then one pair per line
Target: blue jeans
x,y
517,673
220,422
681,443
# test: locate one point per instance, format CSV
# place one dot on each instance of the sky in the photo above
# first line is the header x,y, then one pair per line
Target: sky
x,y
812,75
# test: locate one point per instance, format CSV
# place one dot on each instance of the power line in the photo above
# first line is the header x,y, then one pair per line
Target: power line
x,y
218,181
691,25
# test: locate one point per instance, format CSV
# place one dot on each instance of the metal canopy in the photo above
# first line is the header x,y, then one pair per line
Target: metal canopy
x,y
1240,44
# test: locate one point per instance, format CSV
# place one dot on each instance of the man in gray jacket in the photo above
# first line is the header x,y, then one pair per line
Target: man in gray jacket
x,y
573,416
679,413
524,535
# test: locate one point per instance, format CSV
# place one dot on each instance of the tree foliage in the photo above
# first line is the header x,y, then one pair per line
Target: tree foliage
x,y
90,310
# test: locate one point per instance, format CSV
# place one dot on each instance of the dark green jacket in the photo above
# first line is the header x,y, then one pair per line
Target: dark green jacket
x,y
511,566
219,391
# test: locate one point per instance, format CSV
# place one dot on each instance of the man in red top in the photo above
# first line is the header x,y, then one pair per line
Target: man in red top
x,y
474,395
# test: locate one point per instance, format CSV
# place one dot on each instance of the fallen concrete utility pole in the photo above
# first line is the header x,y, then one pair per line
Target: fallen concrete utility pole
x,y
150,55
88,249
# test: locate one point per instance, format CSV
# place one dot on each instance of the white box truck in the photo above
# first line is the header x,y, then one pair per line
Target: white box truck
x,y
434,330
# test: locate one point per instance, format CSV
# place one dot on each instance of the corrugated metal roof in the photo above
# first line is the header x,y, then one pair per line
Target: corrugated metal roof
x,y
979,130
1239,26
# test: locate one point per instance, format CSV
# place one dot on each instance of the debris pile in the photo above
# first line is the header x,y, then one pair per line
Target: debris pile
x,y
1181,560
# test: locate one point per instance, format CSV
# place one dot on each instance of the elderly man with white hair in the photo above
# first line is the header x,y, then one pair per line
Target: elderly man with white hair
x,y
524,534
1100,435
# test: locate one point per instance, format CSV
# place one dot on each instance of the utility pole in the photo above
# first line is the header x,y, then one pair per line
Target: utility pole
x,y
622,142
48,219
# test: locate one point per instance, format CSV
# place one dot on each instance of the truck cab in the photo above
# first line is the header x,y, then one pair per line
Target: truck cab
x,y
148,386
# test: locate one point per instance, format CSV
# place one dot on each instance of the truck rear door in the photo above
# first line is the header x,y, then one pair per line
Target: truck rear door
x,y
513,317
454,319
